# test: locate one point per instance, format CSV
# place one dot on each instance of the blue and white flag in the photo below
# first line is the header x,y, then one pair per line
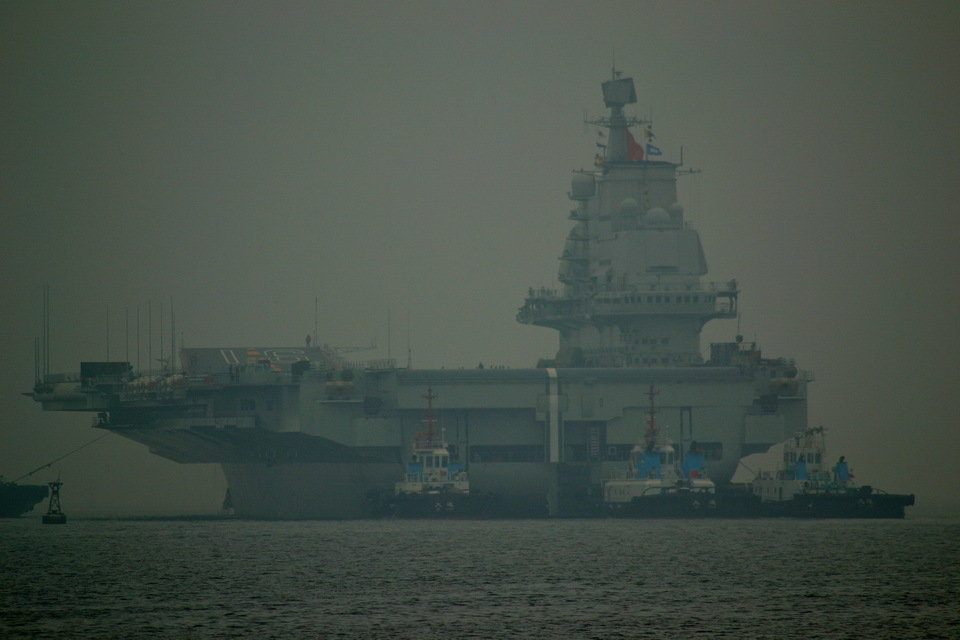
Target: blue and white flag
x,y
653,151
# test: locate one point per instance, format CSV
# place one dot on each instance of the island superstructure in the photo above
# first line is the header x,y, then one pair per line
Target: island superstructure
x,y
303,433
631,267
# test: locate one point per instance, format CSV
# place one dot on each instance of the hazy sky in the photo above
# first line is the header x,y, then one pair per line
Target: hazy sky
x,y
244,158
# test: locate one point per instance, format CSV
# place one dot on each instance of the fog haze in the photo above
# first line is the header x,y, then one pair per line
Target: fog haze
x,y
413,159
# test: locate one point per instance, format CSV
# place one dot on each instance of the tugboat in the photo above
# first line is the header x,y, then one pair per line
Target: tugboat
x,y
55,514
17,499
432,485
804,487
658,482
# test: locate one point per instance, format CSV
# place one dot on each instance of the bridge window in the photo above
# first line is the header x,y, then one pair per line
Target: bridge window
x,y
618,452
711,450
514,453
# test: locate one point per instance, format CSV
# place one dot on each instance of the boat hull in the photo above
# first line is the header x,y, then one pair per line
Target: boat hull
x,y
317,491
17,499
861,503
680,504
435,505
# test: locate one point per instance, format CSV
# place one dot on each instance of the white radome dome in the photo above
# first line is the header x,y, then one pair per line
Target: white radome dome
x,y
656,215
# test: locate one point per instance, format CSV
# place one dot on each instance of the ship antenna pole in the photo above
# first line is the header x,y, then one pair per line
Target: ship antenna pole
x,y
163,356
173,338
46,330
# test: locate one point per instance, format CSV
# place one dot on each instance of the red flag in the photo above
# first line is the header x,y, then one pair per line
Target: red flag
x,y
634,151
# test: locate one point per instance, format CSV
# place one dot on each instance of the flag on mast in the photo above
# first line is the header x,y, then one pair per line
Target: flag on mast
x,y
634,150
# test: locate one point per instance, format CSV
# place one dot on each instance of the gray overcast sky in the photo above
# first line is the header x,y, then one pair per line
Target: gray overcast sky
x,y
244,158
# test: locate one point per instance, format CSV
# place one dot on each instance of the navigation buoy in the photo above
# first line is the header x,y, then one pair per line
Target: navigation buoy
x,y
55,514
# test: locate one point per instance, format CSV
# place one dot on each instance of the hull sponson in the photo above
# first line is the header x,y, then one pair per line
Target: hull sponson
x,y
306,491
600,413
343,491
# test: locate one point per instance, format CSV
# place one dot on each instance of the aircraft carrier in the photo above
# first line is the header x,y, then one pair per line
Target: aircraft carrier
x,y
303,433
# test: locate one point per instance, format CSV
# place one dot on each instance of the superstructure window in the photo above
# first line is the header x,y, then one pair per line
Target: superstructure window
x,y
248,404
711,450
515,453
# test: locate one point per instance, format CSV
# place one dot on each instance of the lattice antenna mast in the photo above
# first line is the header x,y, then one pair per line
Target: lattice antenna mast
x,y
54,508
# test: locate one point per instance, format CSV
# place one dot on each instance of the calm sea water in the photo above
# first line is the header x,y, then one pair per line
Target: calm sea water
x,y
481,579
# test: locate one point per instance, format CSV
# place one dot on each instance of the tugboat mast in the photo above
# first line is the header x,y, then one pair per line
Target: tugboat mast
x,y
429,420
653,431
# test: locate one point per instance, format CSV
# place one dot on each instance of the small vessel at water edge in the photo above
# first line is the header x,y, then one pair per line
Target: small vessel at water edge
x,y
659,482
17,499
804,487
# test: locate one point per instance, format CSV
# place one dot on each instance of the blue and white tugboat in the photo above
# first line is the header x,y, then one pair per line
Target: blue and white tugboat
x,y
806,487
659,481
433,484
